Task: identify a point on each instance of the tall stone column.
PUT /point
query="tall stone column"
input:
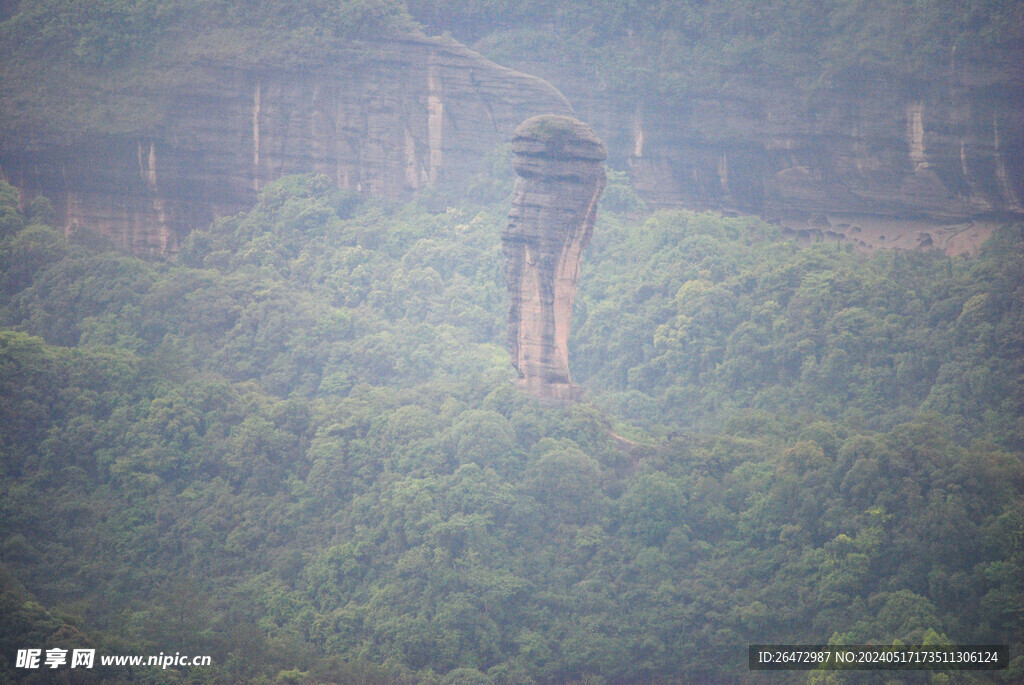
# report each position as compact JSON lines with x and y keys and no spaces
{"x":559,"y":161}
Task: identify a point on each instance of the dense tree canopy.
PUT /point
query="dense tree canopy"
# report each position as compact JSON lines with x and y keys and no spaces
{"x":65,"y":63}
{"x":101,"y":65}
{"x":112,"y":31}
{"x":675,"y":48}
{"x":295,"y":447}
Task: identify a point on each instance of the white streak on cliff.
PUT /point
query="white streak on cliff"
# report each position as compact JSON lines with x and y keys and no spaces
{"x":435,"y":120}
{"x":723,"y":172}
{"x":147,"y":165}
{"x":638,"y":134}
{"x":412,"y":165}
{"x":915,"y":135}
{"x":256,"y":136}
{"x":1010,"y":196}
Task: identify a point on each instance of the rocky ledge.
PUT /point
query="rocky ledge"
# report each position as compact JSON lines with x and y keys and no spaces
{"x":877,"y":160}
{"x":386,"y":119}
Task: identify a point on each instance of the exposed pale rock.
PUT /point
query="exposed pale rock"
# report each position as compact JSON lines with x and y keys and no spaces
{"x":386,"y":119}
{"x":944,"y":152}
{"x":559,"y":161}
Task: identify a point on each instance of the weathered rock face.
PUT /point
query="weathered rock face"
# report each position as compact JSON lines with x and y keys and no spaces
{"x":554,"y":206}
{"x":392,"y":118}
{"x":877,"y":161}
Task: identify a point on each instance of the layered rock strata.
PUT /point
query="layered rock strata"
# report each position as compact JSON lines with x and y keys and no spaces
{"x":878,"y":160}
{"x":386,"y":119}
{"x":559,"y":161}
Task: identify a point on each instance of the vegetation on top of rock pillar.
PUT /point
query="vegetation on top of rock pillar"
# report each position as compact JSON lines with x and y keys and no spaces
{"x":549,"y":126}
{"x":561,"y":135}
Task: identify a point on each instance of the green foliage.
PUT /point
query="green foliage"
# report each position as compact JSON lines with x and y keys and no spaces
{"x":75,"y":65}
{"x":658,"y":48}
{"x":620,"y":197}
{"x":11,"y":220}
{"x":71,"y":65}
{"x":26,"y":622}
{"x":297,"y":449}
{"x":706,"y":318}
{"x":108,"y":32}
{"x":550,"y":128}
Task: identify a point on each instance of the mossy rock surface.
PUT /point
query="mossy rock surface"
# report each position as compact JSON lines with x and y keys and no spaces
{"x":557,"y":135}
{"x":551,"y":127}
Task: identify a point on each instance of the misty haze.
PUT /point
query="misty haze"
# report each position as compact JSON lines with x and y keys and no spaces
{"x":511,"y":343}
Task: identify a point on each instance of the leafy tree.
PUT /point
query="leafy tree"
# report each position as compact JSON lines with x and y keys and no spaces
{"x":297,"y":448}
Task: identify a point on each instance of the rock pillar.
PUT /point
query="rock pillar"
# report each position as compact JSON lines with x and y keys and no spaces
{"x":554,"y":205}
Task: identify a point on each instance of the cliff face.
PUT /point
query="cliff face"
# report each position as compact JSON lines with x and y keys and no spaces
{"x":389,"y":119}
{"x":559,"y":161}
{"x":878,"y":161}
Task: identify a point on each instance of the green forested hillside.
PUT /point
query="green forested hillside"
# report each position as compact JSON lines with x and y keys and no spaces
{"x":678,"y":48}
{"x":706,"y":315}
{"x":100,"y":65}
{"x":296,"y":448}
{"x":103,"y":66}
